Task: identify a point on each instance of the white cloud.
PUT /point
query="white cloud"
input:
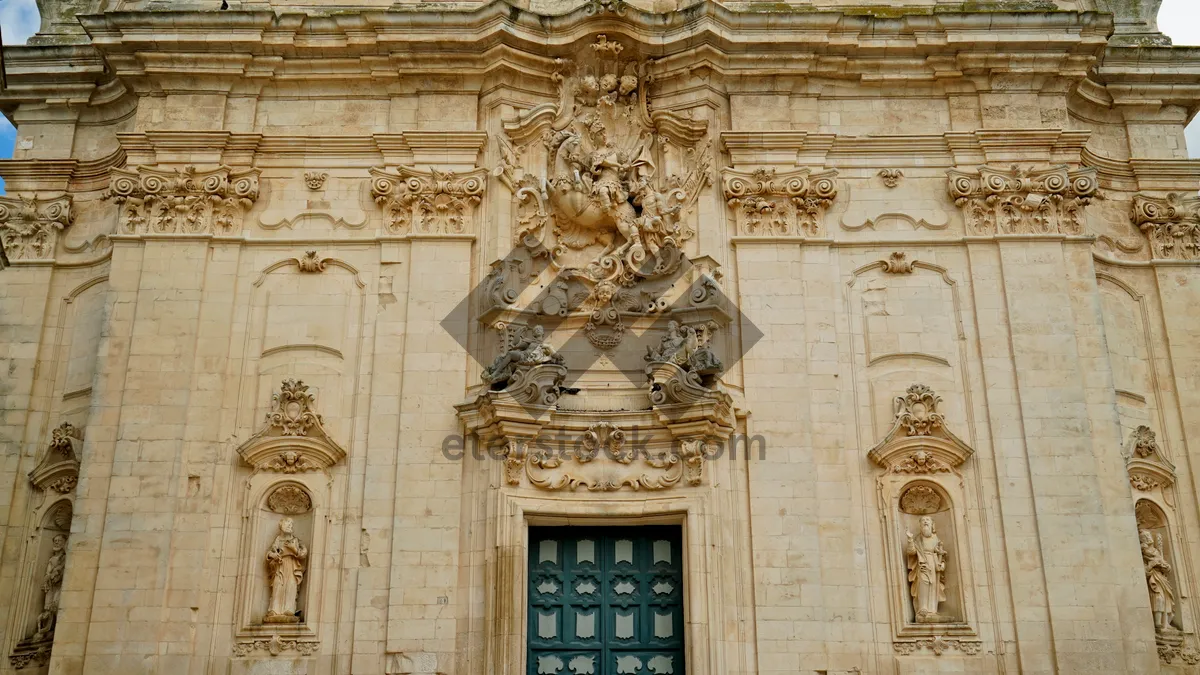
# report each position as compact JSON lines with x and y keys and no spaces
{"x":1180,"y":20}
{"x":18,"y":19}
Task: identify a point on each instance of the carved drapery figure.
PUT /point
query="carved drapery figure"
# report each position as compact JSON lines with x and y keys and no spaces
{"x":52,"y":587}
{"x":1162,"y":594}
{"x":531,"y":350}
{"x":285,"y":572}
{"x":682,"y":347}
{"x":926,"y":571}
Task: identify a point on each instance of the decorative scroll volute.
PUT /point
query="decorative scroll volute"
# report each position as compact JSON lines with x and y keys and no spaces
{"x":919,"y":442}
{"x":29,"y":226}
{"x":428,"y":202}
{"x":187,"y":201}
{"x":1172,"y":223}
{"x":1021,"y":200}
{"x":294,"y":439}
{"x":766,"y":203}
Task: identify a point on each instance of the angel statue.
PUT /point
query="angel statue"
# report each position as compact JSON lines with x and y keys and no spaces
{"x":532,"y":350}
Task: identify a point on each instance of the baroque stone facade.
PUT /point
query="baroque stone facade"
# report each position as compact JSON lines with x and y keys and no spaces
{"x":880,"y":319}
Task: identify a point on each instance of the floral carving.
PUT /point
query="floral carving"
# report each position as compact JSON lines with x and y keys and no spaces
{"x":891,"y":177}
{"x":29,"y":226}
{"x":916,"y":410}
{"x":1021,"y":200}
{"x":187,"y":201}
{"x":315,"y":180}
{"x":898,"y":263}
{"x":275,"y":646}
{"x":1172,"y":223}
{"x":311,"y":263}
{"x":766,"y":203}
{"x":292,"y":409}
{"x":1144,"y":462}
{"x":607,"y":438}
{"x":428,"y":202}
{"x":289,"y":500}
{"x":938,"y":646}
{"x":1144,"y":441}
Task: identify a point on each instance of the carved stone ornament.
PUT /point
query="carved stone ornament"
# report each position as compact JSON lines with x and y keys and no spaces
{"x":1148,"y":469}
{"x":1172,"y":223}
{"x":58,"y":469}
{"x":315,"y":180}
{"x":766,"y":203}
{"x":891,"y":177}
{"x":528,"y":367}
{"x":1021,"y":200}
{"x":919,"y":442}
{"x":289,"y":500}
{"x":187,"y":201}
{"x":293,"y":438}
{"x":311,"y":263}
{"x":898,"y":263}
{"x":937,"y":645}
{"x":428,"y":202}
{"x":275,"y":646}
{"x":604,"y":192}
{"x":29,"y":226}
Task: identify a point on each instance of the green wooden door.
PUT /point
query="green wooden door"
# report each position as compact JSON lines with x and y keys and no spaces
{"x":605,"y":601}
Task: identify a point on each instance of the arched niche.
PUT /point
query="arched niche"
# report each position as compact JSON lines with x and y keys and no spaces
{"x":45,"y":563}
{"x":917,"y":501}
{"x":1159,"y":560}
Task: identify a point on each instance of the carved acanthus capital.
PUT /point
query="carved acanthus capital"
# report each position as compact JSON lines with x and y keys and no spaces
{"x":1148,"y":469}
{"x":187,"y":201}
{"x":767,"y":203}
{"x":1172,"y":223}
{"x":59,"y":468}
{"x":919,"y":442}
{"x":293,"y":439}
{"x":428,"y":202}
{"x":1021,"y":200}
{"x":29,"y":226}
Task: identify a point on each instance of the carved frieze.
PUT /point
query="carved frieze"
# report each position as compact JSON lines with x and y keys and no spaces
{"x":187,"y":201}
{"x":275,"y":646}
{"x":937,"y":645}
{"x":1172,"y":224}
{"x":767,"y":203}
{"x":428,"y":202}
{"x":1148,"y":469}
{"x":919,"y":442}
{"x":1021,"y":200}
{"x":29,"y":226}
{"x":293,"y":439}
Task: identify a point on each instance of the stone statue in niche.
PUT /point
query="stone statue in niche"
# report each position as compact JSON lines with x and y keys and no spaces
{"x":926,"y":571}
{"x":532,"y":350}
{"x":52,"y":587}
{"x":1158,"y":570}
{"x":285,"y":572}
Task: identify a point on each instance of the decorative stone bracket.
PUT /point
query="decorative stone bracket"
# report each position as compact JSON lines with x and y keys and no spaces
{"x":791,"y":204}
{"x":1021,"y":200}
{"x":428,"y":202}
{"x":1172,"y":224}
{"x":919,"y":442}
{"x":293,"y":440}
{"x":59,"y":468}
{"x":29,"y":226}
{"x":1147,"y":467}
{"x":187,"y":201}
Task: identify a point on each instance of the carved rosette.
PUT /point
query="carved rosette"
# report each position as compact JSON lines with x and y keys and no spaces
{"x":428,"y":202}
{"x":293,"y":439}
{"x":767,"y":203}
{"x":29,"y":226}
{"x":1148,"y":469}
{"x":59,"y":468}
{"x":919,"y":442}
{"x":1172,"y":223}
{"x":1021,"y":200}
{"x":187,"y":201}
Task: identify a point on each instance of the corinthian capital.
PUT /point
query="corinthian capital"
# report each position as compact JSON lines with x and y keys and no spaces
{"x":29,"y":226}
{"x":1172,"y":223}
{"x":187,"y":201}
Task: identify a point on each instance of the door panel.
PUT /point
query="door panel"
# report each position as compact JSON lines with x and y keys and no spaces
{"x":605,"y":601}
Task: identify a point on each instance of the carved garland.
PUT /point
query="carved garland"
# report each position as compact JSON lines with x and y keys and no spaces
{"x":1172,"y":223}
{"x":1021,"y":200}
{"x":428,"y":202}
{"x":766,"y":203}
{"x":29,"y":226}
{"x":187,"y":201}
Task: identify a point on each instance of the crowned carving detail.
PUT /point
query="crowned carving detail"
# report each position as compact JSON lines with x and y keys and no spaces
{"x":767,"y":203}
{"x":428,"y":202}
{"x":1172,"y":223}
{"x":58,"y":469}
{"x":1021,"y":200}
{"x":919,"y":442}
{"x":187,"y":201}
{"x":293,"y":439}
{"x":29,"y":226}
{"x":1148,"y":469}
